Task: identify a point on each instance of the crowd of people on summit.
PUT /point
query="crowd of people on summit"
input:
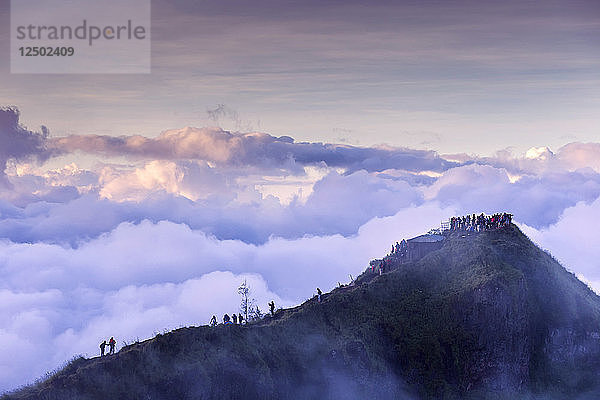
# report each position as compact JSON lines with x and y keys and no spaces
{"x":400,"y":249}
{"x":479,"y":223}
{"x":469,"y":223}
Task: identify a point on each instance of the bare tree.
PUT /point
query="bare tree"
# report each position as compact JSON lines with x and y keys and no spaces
{"x":244,"y":291}
{"x":248,"y":306}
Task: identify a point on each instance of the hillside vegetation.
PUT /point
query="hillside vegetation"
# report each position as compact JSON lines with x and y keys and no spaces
{"x":488,"y":316}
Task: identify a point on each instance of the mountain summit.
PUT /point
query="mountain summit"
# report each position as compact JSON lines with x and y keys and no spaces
{"x":484,"y":315}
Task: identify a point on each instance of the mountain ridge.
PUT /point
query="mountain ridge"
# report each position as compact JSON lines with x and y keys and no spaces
{"x":472,"y":319}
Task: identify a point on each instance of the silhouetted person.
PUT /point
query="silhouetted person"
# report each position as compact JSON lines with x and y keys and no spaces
{"x":403,"y":246}
{"x":272,"y":307}
{"x":213,"y":321}
{"x":234,"y":317}
{"x":319,"y":293}
{"x":240,"y":318}
{"x":226,"y":319}
{"x":102,"y":347}
{"x":111,"y":344}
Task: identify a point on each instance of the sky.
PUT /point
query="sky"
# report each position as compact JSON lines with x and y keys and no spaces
{"x":286,"y":144}
{"x":457,"y":76}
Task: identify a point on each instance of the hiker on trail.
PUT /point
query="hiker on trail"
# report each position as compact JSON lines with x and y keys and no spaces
{"x":226,"y":319}
{"x":272,"y":307}
{"x":111,"y":344}
{"x":102,"y":347}
{"x":240,"y":318}
{"x":213,"y":321}
{"x":319,"y":293}
{"x":234,"y":316}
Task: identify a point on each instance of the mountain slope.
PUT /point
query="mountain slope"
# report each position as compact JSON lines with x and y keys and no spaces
{"x":489,"y":315}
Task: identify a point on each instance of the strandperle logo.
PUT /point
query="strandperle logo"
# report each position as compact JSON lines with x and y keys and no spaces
{"x":80,"y":36}
{"x":89,"y":33}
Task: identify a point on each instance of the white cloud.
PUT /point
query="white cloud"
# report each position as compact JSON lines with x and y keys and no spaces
{"x":227,"y":205}
{"x":580,"y":155}
{"x":573,"y":240}
{"x":539,"y":153}
{"x":192,"y":180}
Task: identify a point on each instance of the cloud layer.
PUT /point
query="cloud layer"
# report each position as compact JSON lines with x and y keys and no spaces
{"x":129,"y":236}
{"x":140,"y":279}
{"x":251,"y":149}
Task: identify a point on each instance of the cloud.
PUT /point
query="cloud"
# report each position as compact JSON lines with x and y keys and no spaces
{"x":17,"y":142}
{"x":251,"y":149}
{"x":192,"y":180}
{"x":70,"y":205}
{"x":573,"y":240}
{"x":541,"y":160}
{"x":580,"y":155}
{"x":206,"y":198}
{"x":149,"y":253}
{"x":341,"y":203}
